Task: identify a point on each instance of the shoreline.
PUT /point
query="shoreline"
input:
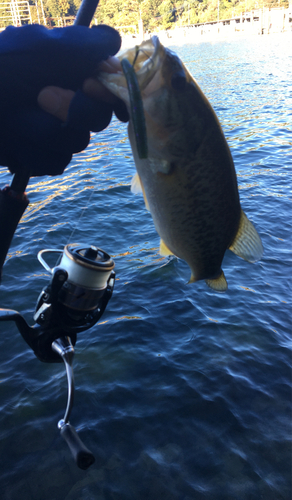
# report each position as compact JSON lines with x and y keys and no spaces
{"x":258,"y":22}
{"x":193,"y":38}
{"x":217,"y":37}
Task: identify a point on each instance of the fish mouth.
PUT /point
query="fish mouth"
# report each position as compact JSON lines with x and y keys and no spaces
{"x":139,"y":67}
{"x":145,"y":60}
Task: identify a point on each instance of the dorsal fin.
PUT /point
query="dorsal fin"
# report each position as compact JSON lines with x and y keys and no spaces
{"x":137,"y":188}
{"x":247,"y":243}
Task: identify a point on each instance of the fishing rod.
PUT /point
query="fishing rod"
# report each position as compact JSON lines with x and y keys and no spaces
{"x":74,"y":300}
{"x":13,"y":199}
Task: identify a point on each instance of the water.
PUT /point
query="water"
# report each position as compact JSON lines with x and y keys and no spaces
{"x":181,"y":393}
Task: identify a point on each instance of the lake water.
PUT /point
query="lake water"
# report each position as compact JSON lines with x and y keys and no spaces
{"x":181,"y":393}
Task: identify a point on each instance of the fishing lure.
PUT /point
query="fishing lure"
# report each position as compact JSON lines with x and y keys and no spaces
{"x":137,"y":110}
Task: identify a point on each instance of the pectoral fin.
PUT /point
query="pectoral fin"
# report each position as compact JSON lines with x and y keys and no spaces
{"x":247,"y":243}
{"x":219,"y":284}
{"x":164,"y":250}
{"x":137,"y":188}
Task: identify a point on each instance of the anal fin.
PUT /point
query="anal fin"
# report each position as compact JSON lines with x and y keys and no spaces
{"x":218,"y":284}
{"x":164,"y":250}
{"x":192,"y":279}
{"x":137,"y":188}
{"x":247,"y":243}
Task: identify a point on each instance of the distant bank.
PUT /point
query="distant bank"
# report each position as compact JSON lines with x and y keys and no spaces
{"x":256,"y":22}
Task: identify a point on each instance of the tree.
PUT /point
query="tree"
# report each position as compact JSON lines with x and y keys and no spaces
{"x":167,"y":13}
{"x":61,"y":8}
{"x":156,"y":14}
{"x":150,"y":14}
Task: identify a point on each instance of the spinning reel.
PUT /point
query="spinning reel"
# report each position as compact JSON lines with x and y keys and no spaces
{"x":74,"y":300}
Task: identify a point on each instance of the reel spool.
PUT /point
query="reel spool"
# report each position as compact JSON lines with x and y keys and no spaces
{"x":85,"y":274}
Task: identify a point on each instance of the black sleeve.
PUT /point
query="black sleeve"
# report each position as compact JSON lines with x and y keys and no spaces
{"x":31,"y":58}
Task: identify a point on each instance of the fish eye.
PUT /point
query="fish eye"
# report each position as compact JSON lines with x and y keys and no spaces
{"x":178,"y":81}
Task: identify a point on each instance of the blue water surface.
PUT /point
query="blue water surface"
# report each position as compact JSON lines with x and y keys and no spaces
{"x":181,"y":393}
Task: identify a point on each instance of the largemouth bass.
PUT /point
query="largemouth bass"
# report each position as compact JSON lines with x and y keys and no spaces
{"x":188,"y":179}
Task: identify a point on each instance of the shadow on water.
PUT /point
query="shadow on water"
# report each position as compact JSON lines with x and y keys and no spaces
{"x":180,"y":393}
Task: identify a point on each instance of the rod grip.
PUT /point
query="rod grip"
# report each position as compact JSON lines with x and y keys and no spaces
{"x":82,"y":455}
{"x":12,"y":207}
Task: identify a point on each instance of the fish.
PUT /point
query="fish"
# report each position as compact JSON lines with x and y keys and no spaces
{"x":188,"y":178}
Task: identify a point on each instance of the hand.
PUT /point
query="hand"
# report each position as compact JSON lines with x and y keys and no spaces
{"x":33,"y":58}
{"x":57,"y":101}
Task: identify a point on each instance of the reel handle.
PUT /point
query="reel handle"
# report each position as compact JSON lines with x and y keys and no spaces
{"x":81,"y":454}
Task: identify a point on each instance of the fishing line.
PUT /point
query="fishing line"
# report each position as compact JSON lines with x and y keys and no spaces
{"x":138,"y":49}
{"x":77,"y":222}
{"x":136,"y":55}
{"x":75,"y":227}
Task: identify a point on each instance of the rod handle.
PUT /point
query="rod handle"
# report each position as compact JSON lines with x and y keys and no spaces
{"x":12,"y":207}
{"x":82,"y":455}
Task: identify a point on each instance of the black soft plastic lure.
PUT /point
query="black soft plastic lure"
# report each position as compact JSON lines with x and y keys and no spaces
{"x":137,"y":110}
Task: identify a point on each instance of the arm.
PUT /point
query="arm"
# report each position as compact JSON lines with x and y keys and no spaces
{"x":33,"y":58}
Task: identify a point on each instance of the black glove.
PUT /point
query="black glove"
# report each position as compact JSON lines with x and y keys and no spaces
{"x":31,"y":58}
